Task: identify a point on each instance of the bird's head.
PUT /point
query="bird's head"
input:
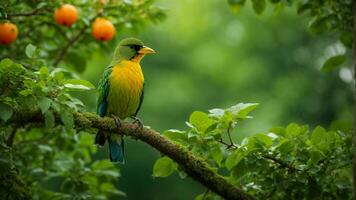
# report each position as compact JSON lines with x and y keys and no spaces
{"x":131,"y":49}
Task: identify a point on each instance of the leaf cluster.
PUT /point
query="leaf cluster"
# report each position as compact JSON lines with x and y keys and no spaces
{"x":292,"y":162}
{"x":61,"y":161}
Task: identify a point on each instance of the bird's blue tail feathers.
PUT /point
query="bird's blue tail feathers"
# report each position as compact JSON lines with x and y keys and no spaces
{"x":116,"y":148}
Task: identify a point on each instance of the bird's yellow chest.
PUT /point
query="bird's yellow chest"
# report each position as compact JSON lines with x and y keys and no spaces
{"x":126,"y":85}
{"x":127,"y":73}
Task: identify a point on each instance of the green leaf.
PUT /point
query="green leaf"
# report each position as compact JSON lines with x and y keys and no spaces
{"x":242,"y":110}
{"x":67,"y":118}
{"x":216,"y":153}
{"x":102,"y":164}
{"x":44,"y":73}
{"x":240,"y":170}
{"x":216,"y":112}
{"x":285,"y":146}
{"x":281,"y":131}
{"x":44,"y":103}
{"x":258,"y":5}
{"x":317,"y":135}
{"x":176,"y":135}
{"x":254,"y":144}
{"x":5,"y":112}
{"x":319,"y":25}
{"x":164,"y":167}
{"x":78,"y":84}
{"x":322,"y":139}
{"x":76,"y":61}
{"x":264,"y":139}
{"x":294,"y":129}
{"x":234,"y":158}
{"x":200,"y":197}
{"x":30,"y":50}
{"x":26,"y":92}
{"x":201,"y":121}
{"x":333,"y":63}
{"x":49,"y":119}
{"x":111,"y":189}
{"x":315,"y":156}
{"x":56,"y":106}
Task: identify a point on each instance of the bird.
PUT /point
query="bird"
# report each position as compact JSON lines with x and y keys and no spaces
{"x":121,"y":92}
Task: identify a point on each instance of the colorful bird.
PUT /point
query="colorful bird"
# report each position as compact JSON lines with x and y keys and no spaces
{"x":121,"y":91}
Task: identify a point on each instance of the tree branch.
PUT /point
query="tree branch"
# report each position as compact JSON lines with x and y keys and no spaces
{"x":195,"y":167}
{"x":70,"y":43}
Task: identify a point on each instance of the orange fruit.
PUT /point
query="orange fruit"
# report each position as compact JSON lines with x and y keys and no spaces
{"x":66,"y":15}
{"x":103,"y":29}
{"x":8,"y":32}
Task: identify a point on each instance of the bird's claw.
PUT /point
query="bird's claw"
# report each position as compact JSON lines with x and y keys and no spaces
{"x":138,"y":122}
{"x":117,"y":121}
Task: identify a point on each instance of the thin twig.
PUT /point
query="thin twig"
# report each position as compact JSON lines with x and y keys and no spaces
{"x":280,"y":162}
{"x":228,"y":146}
{"x":38,"y":11}
{"x":228,"y":133}
{"x":231,"y":145}
{"x":72,"y":41}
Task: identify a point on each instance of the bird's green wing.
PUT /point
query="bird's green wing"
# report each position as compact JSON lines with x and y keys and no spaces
{"x":103,"y":88}
{"x":141,"y":99}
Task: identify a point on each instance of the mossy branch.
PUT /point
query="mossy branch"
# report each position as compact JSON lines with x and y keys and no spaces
{"x":194,"y":166}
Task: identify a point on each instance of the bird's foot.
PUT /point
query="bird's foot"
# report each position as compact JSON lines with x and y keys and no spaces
{"x":138,"y":122}
{"x":117,"y":122}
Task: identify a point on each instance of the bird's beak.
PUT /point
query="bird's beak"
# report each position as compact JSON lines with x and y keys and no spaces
{"x":146,"y":50}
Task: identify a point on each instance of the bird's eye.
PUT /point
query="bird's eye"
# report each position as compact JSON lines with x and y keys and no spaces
{"x":135,"y":47}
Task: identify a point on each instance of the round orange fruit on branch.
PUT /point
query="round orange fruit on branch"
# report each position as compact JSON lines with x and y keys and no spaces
{"x":103,"y":29}
{"x":8,"y":32}
{"x":66,"y":15}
